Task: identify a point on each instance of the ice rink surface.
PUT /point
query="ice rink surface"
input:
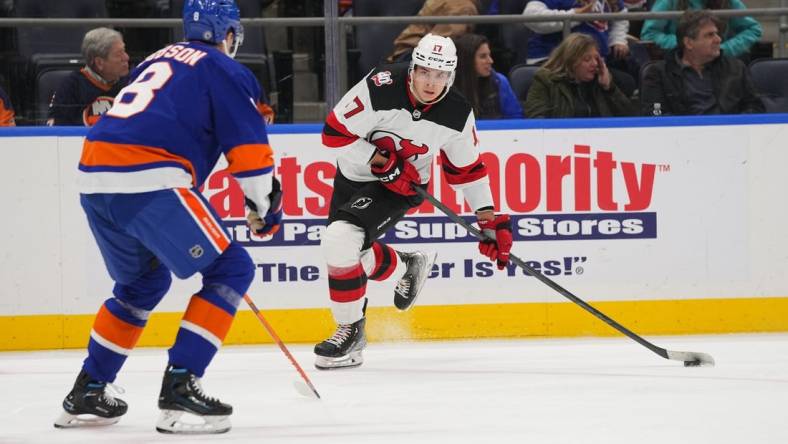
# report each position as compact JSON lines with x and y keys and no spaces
{"x":513,"y":391}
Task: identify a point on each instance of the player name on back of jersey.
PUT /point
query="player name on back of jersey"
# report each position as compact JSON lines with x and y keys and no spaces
{"x":180,"y":53}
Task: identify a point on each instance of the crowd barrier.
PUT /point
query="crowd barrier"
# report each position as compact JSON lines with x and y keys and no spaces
{"x":673,"y":225}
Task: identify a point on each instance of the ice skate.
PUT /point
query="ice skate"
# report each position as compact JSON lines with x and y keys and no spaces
{"x":343,"y":349}
{"x":419,"y":265}
{"x":181,"y":393}
{"x":88,"y":404}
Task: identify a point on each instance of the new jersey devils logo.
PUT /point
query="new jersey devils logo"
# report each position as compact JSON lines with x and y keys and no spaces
{"x":405,"y":148}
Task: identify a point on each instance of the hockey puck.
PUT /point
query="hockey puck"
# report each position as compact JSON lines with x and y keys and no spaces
{"x":692,"y":363}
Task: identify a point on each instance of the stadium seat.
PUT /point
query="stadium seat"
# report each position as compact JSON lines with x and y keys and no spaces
{"x":514,"y":36}
{"x":520,"y":77}
{"x":54,"y":39}
{"x":375,"y":41}
{"x":769,"y":77}
{"x":644,"y":91}
{"x":47,"y":83}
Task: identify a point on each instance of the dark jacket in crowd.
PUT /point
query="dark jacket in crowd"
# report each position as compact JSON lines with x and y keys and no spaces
{"x":552,"y":96}
{"x":664,"y":84}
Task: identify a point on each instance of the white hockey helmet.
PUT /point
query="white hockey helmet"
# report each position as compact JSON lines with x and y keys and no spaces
{"x":435,"y":52}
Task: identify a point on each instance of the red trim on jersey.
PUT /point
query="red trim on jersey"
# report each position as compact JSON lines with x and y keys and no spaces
{"x":341,"y":137}
{"x":459,"y":175}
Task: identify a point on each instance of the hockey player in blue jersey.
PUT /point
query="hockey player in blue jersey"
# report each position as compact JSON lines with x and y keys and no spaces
{"x":141,"y":166}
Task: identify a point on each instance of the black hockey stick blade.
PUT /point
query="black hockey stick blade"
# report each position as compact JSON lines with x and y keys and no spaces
{"x":690,"y":359}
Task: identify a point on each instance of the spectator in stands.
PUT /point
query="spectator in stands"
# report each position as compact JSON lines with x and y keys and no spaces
{"x":575,"y":82}
{"x":86,"y":94}
{"x":611,"y":37}
{"x":6,"y":110}
{"x":697,"y":78}
{"x":488,"y":91}
{"x":410,"y":36}
{"x":635,"y":6}
{"x":738,"y":34}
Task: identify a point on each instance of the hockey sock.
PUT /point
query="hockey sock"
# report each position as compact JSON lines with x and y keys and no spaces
{"x":347,"y":287}
{"x":204,"y":326}
{"x":386,"y":262}
{"x":115,"y":333}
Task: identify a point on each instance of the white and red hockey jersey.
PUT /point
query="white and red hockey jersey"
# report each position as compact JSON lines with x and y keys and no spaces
{"x":380,"y":113}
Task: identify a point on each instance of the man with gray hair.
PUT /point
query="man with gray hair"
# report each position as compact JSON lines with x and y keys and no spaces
{"x":86,"y":94}
{"x":697,"y":78}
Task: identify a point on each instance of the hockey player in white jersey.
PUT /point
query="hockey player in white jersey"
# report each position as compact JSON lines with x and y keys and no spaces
{"x":389,"y":127}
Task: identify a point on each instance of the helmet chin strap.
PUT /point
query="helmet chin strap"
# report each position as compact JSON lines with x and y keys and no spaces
{"x":236,"y":44}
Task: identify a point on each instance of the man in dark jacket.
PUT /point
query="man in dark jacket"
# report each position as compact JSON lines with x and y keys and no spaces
{"x":696,"y":78}
{"x":85,"y":95}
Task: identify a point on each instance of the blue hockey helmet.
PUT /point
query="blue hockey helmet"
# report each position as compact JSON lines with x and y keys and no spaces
{"x":210,"y":20}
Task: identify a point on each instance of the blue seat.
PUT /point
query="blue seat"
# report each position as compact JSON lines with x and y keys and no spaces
{"x":769,"y":77}
{"x":520,"y":77}
{"x":514,"y":36}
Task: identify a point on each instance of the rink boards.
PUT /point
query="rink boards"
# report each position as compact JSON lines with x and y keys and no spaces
{"x":670,"y":226}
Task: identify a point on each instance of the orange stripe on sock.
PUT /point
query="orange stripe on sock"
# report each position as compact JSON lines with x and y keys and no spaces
{"x":116,"y":330}
{"x":208,"y":316}
{"x":209,"y":225}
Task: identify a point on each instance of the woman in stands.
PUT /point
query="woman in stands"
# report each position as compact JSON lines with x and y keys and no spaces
{"x":611,"y":36}
{"x":575,"y":82}
{"x":488,"y":91}
{"x":738,"y":34}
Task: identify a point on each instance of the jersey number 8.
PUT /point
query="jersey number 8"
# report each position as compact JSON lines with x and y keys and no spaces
{"x":143,"y":90}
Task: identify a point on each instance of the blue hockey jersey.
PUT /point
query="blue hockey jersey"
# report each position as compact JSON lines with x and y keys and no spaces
{"x":185,"y":105}
{"x":540,"y":45}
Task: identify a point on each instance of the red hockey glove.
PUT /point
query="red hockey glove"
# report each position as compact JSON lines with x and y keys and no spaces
{"x":499,"y":242}
{"x":397,"y":175}
{"x":267,"y":225}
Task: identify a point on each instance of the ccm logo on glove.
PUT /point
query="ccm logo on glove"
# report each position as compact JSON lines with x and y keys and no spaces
{"x":397,"y":175}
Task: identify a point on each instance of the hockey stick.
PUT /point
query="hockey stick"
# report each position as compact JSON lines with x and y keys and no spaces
{"x":690,"y":359}
{"x":303,"y":390}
